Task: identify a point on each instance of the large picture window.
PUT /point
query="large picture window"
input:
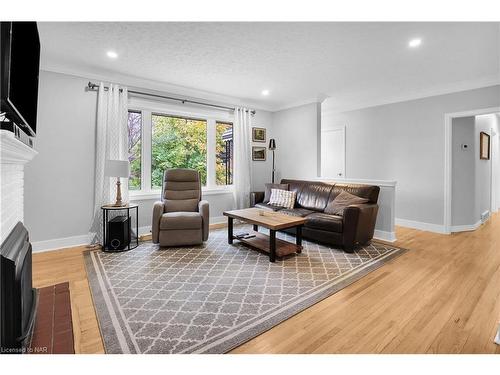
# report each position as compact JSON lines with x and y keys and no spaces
{"x":177,"y":142}
{"x":175,"y":138}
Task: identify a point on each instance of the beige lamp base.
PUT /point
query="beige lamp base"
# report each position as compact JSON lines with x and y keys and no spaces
{"x":119,"y":202}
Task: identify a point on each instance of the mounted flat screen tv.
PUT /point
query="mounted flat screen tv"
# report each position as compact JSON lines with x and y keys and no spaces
{"x":20,"y":59}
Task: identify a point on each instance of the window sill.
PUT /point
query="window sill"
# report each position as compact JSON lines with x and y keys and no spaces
{"x":155,"y":195}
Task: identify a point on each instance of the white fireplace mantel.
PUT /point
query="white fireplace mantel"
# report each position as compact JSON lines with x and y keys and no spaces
{"x":14,"y":155}
{"x":13,"y":151}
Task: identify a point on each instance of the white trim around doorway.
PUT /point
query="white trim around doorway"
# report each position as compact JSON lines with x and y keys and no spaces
{"x":448,"y":117}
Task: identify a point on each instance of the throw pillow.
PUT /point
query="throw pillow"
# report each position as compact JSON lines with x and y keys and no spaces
{"x":341,"y":201}
{"x":282,"y":198}
{"x":267,"y":193}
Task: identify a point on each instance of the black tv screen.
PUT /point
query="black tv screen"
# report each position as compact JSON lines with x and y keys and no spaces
{"x":20,"y":69}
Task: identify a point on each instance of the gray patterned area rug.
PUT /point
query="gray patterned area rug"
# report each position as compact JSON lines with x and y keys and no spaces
{"x":213,"y":297}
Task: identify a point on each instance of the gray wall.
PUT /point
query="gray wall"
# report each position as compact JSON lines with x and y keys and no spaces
{"x":59,"y":182}
{"x":296,"y":131}
{"x":405,"y":142}
{"x":262,"y":170}
{"x":463,"y":201}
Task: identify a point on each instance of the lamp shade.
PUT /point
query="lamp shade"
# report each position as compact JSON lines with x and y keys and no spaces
{"x":272,"y":144}
{"x":117,"y":168}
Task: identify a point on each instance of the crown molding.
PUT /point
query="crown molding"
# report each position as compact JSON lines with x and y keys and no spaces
{"x":154,"y":86}
{"x":192,"y":93}
{"x":297,"y":104}
{"x":422,"y":94}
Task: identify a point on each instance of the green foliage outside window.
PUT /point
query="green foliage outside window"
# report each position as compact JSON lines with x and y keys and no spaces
{"x":177,"y":143}
{"x":134,"y":149}
{"x":224,"y":153}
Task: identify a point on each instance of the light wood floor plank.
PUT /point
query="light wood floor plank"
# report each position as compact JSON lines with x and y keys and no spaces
{"x":442,"y":296}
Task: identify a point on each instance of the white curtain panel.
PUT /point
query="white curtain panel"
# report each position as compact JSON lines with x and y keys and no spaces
{"x":242,"y":127}
{"x":111,"y":144}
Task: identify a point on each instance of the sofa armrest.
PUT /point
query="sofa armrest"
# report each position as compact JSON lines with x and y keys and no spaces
{"x":204,"y":210}
{"x":158,"y":209}
{"x":359,"y":223}
{"x":256,"y":197}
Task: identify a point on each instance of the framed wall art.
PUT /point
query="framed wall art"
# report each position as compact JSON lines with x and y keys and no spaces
{"x":484,"y":146}
{"x":259,"y":153}
{"x":259,"y":134}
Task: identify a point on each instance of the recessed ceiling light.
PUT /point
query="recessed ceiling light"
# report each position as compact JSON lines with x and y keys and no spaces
{"x":415,"y":42}
{"x":112,"y":54}
{"x":265,"y":92}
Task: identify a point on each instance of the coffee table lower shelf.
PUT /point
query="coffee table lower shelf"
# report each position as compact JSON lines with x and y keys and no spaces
{"x":262,"y":242}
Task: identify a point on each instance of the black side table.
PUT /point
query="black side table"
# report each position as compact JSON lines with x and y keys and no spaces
{"x":122,"y":234}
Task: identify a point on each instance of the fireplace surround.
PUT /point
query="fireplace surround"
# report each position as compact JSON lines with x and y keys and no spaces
{"x":18,"y":300}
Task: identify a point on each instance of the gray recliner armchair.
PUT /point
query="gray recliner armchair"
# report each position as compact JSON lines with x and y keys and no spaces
{"x":181,"y":218}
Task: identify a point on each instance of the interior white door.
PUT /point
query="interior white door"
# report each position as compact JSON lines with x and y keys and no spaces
{"x":333,"y":153}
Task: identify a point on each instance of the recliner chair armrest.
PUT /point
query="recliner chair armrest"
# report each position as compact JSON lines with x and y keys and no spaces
{"x":256,"y":197}
{"x":204,"y":210}
{"x":359,"y":224}
{"x":158,"y":209}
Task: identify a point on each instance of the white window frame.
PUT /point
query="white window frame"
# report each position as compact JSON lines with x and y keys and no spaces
{"x":147,"y":108}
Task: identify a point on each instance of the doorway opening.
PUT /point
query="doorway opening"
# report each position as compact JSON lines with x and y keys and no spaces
{"x":472,"y":168}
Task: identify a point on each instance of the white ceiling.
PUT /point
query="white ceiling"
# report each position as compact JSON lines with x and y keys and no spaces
{"x":352,"y":63}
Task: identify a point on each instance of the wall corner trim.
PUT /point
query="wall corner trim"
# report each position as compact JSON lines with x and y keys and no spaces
{"x":384,"y":235}
{"x":420,"y":225}
{"x":466,"y":228}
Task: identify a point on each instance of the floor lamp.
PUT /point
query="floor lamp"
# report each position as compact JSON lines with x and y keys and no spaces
{"x":272,"y":147}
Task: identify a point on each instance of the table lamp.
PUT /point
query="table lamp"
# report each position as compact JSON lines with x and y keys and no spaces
{"x":117,"y":168}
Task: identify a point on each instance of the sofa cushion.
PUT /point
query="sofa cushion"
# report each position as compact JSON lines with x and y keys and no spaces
{"x":314,"y":196}
{"x":267,"y":193}
{"x":322,"y":221}
{"x":282,"y":198}
{"x":369,"y":192}
{"x":295,"y":185}
{"x":300,"y":212}
{"x":180,"y":220}
{"x":341,"y":201}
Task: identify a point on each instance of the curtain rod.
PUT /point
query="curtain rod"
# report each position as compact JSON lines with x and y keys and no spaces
{"x":95,"y":87}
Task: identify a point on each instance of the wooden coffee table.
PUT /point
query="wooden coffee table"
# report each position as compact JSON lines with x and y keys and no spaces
{"x":271,"y":220}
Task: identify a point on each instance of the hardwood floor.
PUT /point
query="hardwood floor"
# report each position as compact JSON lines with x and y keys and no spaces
{"x":442,"y":296}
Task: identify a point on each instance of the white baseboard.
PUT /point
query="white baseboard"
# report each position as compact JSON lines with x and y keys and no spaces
{"x":144,"y":230}
{"x":67,"y":242}
{"x":384,"y":235}
{"x":420,"y":225}
{"x":218,"y":220}
{"x":466,"y":228}
{"x":60,"y":243}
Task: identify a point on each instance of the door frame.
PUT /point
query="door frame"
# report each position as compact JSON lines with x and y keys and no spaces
{"x":336,"y":128}
{"x":448,"y":118}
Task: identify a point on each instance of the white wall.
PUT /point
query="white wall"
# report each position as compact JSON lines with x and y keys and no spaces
{"x":405,"y":142}
{"x":484,"y":171}
{"x":59,"y":191}
{"x":297,"y":132}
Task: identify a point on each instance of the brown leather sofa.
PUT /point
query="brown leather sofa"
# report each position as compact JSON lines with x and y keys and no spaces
{"x":181,"y":218}
{"x":356,"y":226}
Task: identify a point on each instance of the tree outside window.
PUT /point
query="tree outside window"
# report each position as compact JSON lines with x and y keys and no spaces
{"x":134,"y":149}
{"x":177,"y":143}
